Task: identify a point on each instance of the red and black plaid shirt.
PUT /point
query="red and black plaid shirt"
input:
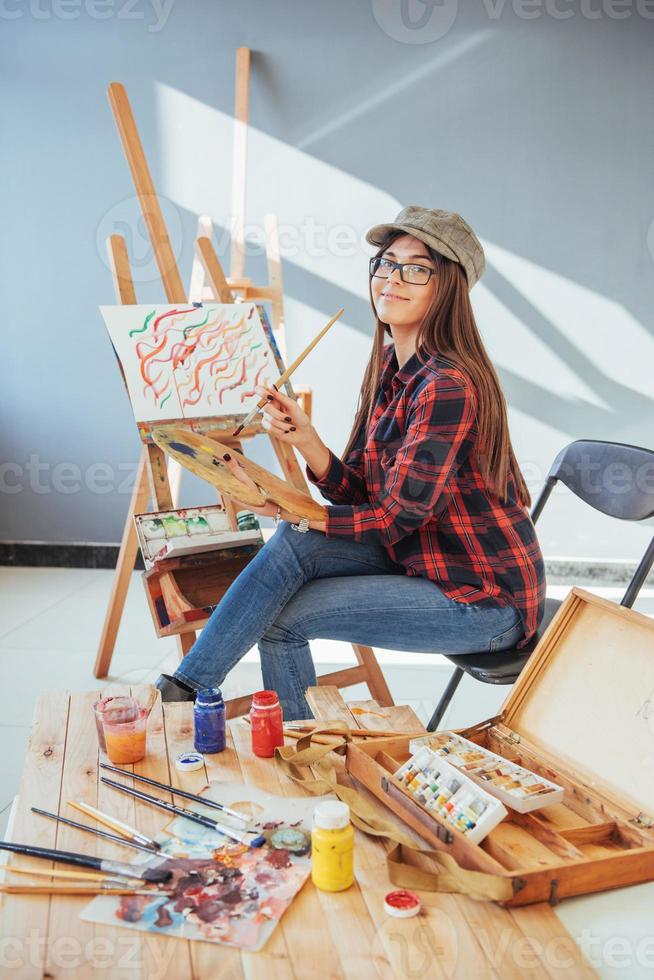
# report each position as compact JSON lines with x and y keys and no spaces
{"x":414,"y":486}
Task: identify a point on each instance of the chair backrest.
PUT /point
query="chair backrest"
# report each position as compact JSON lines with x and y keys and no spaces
{"x":614,"y":478}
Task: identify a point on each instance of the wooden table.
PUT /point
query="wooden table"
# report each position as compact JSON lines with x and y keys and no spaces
{"x":321,"y":935}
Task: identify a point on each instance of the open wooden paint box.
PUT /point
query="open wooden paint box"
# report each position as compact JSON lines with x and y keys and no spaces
{"x":580,"y":715}
{"x":191,"y":556}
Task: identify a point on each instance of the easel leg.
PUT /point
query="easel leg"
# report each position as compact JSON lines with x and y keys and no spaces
{"x":289,"y":464}
{"x":374,"y":675}
{"x":184,"y":643}
{"x":158,"y":474}
{"x":124,"y":569}
{"x":228,"y":503}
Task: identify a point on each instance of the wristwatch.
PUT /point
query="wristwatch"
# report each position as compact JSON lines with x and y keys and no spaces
{"x":302,"y":526}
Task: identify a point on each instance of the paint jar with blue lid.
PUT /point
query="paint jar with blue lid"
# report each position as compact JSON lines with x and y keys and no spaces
{"x":209,"y":721}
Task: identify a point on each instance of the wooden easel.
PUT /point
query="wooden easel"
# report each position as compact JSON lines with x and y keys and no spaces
{"x":152,"y":476}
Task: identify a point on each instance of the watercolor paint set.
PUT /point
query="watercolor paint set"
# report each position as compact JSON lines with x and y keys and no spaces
{"x":192,"y":556}
{"x":517,"y":787}
{"x":448,"y":793}
{"x":188,"y":531}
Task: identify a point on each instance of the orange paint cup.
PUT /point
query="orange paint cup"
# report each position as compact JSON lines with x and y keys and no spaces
{"x":124,"y":727}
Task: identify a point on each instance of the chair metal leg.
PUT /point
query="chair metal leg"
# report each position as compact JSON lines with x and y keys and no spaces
{"x":446,"y":697}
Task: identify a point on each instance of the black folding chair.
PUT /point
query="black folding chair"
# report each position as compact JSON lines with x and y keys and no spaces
{"x":615,"y":479}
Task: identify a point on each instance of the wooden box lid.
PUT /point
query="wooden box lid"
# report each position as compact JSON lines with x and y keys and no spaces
{"x":586,"y":697}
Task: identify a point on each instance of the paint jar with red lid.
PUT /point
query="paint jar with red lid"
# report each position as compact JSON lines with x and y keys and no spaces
{"x":266,"y":723}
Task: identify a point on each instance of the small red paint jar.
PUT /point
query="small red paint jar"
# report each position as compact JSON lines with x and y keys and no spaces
{"x":266,"y":723}
{"x":402,"y":904}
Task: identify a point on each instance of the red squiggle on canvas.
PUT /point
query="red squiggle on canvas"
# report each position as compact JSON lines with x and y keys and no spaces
{"x":198,"y":352}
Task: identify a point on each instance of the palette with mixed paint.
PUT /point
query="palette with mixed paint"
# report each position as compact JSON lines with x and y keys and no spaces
{"x":188,"y":531}
{"x":223,"y":892}
{"x":519,"y":788}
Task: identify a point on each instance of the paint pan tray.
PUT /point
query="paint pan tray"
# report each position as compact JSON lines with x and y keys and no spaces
{"x":192,"y":556}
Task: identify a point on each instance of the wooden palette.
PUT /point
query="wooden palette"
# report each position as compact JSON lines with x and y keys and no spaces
{"x":203,"y":456}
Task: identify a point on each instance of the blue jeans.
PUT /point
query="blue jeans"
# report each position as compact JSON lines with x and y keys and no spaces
{"x":300,"y":587}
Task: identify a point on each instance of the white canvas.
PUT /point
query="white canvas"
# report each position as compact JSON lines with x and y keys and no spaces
{"x":180,"y":361}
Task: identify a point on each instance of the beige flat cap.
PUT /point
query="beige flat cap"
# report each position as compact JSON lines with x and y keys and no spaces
{"x":444,"y":231}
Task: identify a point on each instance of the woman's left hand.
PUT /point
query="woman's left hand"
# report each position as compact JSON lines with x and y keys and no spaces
{"x":237,"y":471}
{"x":266,"y":510}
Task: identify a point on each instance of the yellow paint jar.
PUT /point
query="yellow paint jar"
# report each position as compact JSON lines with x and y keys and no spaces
{"x":332,"y":847}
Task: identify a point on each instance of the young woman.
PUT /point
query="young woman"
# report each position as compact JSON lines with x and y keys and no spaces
{"x":428,"y":545}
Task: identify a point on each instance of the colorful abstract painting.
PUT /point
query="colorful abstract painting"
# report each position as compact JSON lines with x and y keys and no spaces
{"x":190,"y":362}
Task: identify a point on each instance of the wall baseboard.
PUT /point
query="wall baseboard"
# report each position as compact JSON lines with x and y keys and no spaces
{"x":40,"y":554}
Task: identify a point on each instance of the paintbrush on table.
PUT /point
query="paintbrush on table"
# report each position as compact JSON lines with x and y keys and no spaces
{"x":299,"y":729}
{"x":75,"y":883}
{"x":98,"y":889}
{"x":283,"y":378}
{"x":61,"y":873}
{"x":181,"y":811}
{"x":121,"y":828}
{"x":177,"y":792}
{"x":115,"y":838}
{"x":119,"y":868}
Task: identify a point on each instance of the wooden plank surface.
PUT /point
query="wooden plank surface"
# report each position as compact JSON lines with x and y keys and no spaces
{"x":376,"y":718}
{"x":25,"y":918}
{"x":327,"y":704}
{"x":320,"y":936}
{"x":79,"y":782}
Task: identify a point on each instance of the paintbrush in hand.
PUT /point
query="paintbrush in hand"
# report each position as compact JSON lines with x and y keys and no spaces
{"x":283,"y":378}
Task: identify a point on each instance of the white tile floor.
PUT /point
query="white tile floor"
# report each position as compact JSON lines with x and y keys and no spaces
{"x":50,"y":623}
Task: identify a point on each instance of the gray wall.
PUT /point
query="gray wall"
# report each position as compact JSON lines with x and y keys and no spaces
{"x":535,"y":125}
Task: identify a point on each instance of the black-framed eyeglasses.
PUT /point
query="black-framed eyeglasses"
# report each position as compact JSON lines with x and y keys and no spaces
{"x":416,"y":275}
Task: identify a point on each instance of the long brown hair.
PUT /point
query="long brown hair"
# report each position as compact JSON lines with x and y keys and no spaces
{"x":449,"y":331}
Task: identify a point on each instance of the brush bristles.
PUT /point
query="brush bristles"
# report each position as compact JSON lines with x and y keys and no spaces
{"x":157,"y":875}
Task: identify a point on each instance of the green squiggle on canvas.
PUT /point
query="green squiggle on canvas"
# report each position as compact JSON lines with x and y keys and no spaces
{"x":165,"y":399}
{"x":145,"y":324}
{"x":194,"y":326}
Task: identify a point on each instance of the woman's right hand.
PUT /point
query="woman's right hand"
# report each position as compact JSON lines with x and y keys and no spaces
{"x":284,"y":419}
